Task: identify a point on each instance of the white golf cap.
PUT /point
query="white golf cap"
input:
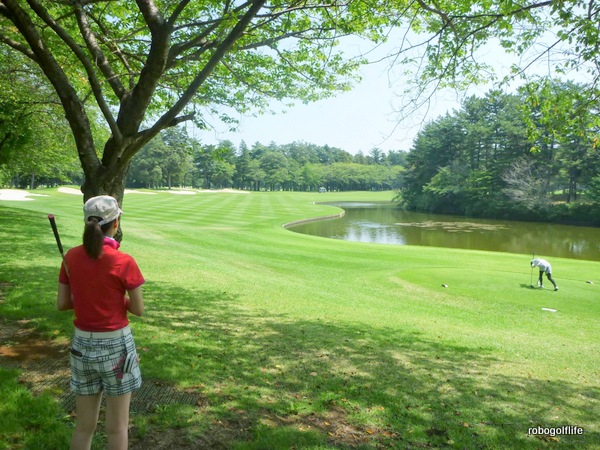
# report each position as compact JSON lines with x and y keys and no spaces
{"x":103,"y":206}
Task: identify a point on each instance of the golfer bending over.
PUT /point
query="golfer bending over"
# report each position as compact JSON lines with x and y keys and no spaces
{"x":103,"y":353}
{"x":544,"y":266}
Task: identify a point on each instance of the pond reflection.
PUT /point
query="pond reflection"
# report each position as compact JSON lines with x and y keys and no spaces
{"x":386,"y":224}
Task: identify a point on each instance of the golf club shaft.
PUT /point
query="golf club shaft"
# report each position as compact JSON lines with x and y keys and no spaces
{"x":57,"y":237}
{"x":531,"y":276}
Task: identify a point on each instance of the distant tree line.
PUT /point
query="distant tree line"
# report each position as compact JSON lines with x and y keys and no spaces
{"x":37,"y":148}
{"x":175,"y":159}
{"x":500,"y":155}
{"x":36,"y":145}
{"x":491,"y":159}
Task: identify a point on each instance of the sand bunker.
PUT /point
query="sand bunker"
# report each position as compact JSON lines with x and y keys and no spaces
{"x":170,"y":191}
{"x":23,"y":195}
{"x":221,"y":191}
{"x":132,"y":191}
{"x":206,"y":191}
{"x":71,"y":191}
{"x":18,"y":195}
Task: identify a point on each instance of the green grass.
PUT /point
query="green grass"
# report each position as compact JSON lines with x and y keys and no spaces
{"x":29,"y":422}
{"x":294,"y":340}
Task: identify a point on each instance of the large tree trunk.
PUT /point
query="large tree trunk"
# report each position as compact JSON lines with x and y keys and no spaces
{"x":113,"y":185}
{"x":104,"y":182}
{"x":100,"y":180}
{"x":36,"y":24}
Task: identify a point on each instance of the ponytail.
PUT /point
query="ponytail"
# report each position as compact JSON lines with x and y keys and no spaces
{"x":93,"y":236}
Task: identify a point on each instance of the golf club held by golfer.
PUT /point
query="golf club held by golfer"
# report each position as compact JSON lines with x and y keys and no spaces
{"x":57,"y":237}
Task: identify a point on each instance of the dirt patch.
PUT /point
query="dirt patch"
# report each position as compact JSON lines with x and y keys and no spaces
{"x":223,"y":433}
{"x":163,"y":440}
{"x":334,"y":424}
{"x":44,"y":364}
{"x":21,"y":345}
{"x":220,"y":436}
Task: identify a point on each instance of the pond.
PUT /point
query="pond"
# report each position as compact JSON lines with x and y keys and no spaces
{"x":386,"y":224}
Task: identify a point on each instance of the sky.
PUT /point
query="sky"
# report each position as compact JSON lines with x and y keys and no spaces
{"x":362,"y":119}
{"x":358,"y":120}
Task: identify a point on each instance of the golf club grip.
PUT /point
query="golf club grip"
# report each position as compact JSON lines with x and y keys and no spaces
{"x":55,"y":230}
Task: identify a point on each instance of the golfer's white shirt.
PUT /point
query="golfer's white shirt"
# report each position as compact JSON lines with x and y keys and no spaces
{"x":542,"y":264}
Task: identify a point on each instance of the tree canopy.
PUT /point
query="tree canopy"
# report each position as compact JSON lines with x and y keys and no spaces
{"x":443,"y":47}
{"x":296,"y":166}
{"x":147,"y":65}
{"x":478,"y":162}
{"x":30,"y":118}
{"x":150,"y":65}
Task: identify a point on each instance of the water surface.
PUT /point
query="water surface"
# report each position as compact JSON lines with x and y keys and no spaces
{"x":386,"y":224}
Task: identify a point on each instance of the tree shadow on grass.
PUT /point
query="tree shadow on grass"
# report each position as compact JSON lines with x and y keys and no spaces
{"x":27,"y":235}
{"x":265,"y":380}
{"x":26,"y":240}
{"x":275,"y":379}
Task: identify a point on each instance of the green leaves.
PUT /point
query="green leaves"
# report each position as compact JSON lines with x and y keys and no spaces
{"x":149,"y":66}
{"x":479,"y":160}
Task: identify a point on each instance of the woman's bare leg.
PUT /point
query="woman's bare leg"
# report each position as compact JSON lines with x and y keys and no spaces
{"x":87,"y":409}
{"x":117,"y":421}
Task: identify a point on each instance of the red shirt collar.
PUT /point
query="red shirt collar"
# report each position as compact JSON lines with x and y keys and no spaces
{"x":111,"y":242}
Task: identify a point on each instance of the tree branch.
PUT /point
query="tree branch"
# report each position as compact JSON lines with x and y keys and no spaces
{"x":152,"y":15}
{"x":245,"y":82}
{"x":135,"y":104}
{"x":96,"y":52}
{"x":73,"y":107}
{"x":89,"y":69}
{"x":447,"y":21}
{"x":275,"y":39}
{"x":177,"y":12}
{"x":198,"y":41}
{"x":193,"y":87}
{"x":18,"y":47}
{"x":201,"y":39}
{"x":514,"y":12}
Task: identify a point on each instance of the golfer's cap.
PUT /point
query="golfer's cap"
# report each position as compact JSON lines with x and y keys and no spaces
{"x":103,"y":206}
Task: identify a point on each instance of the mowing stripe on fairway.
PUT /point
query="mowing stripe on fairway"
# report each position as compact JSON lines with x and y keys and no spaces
{"x":253,"y":310}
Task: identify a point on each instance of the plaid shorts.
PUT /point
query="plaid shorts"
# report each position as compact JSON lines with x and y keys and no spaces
{"x":102,"y":364}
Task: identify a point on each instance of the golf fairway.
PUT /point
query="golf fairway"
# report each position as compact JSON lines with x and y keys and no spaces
{"x":284,"y":333}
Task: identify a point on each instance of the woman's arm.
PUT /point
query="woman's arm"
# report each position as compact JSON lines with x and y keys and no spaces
{"x":135,"y":303}
{"x":64,"y":300}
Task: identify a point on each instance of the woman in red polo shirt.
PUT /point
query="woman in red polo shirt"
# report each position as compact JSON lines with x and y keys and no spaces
{"x":93,"y":281}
